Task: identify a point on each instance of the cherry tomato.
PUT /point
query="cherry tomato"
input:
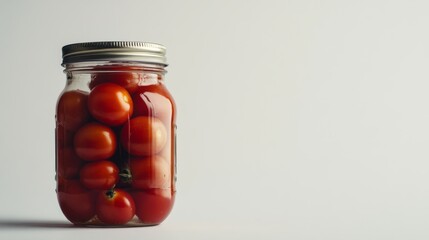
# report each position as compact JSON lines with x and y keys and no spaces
{"x":72,"y":109}
{"x":64,"y":138}
{"x":94,"y":141}
{"x":77,"y":203}
{"x":154,"y":100}
{"x":153,"y":205}
{"x":110,"y":104}
{"x":100,"y":175}
{"x":143,"y":136}
{"x":150,"y":172}
{"x":128,"y":80}
{"x":170,"y":148}
{"x":115,"y":207}
{"x":68,"y":163}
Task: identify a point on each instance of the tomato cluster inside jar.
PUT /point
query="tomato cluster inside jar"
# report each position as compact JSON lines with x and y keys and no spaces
{"x":115,"y":135}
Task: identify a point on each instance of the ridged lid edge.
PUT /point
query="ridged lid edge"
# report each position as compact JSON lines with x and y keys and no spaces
{"x":115,"y":51}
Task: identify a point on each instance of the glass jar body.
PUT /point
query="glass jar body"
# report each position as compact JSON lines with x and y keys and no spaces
{"x":115,"y":145}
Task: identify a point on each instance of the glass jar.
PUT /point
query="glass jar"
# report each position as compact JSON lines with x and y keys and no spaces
{"x":115,"y":135}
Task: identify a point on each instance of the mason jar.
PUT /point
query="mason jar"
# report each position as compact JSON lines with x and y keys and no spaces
{"x":115,"y":135}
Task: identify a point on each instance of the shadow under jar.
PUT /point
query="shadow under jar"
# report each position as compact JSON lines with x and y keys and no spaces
{"x":115,"y":135}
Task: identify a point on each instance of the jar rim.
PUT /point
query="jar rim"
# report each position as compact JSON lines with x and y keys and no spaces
{"x":131,"y":51}
{"x":112,"y":66}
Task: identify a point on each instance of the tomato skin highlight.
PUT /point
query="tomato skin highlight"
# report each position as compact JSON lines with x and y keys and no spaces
{"x":115,"y":207}
{"x":144,"y":136}
{"x":153,"y":205}
{"x":99,"y":175}
{"x":110,"y":104}
{"x":94,"y":141}
{"x":150,"y":172}
{"x":76,"y":203}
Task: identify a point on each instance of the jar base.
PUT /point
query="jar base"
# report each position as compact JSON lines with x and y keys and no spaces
{"x":95,"y":223}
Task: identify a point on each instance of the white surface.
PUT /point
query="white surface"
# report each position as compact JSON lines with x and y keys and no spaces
{"x":297,"y":119}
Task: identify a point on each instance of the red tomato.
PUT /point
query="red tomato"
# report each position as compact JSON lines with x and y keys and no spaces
{"x":68,"y":163}
{"x":153,"y":205}
{"x":150,"y":172}
{"x":94,"y":142}
{"x":64,"y":138}
{"x":110,"y":104}
{"x":72,"y":109}
{"x":115,"y":207}
{"x":77,"y":203}
{"x":100,"y":175}
{"x":143,"y":136}
{"x":127,"y":80}
{"x":154,"y":100}
{"x":170,"y":148}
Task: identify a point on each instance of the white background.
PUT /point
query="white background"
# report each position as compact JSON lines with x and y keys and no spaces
{"x":297,"y":119}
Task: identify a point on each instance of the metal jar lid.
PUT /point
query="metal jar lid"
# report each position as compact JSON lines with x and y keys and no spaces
{"x":143,"y":52}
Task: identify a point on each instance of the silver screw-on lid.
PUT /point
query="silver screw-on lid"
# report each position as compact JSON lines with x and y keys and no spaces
{"x":115,"y":51}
